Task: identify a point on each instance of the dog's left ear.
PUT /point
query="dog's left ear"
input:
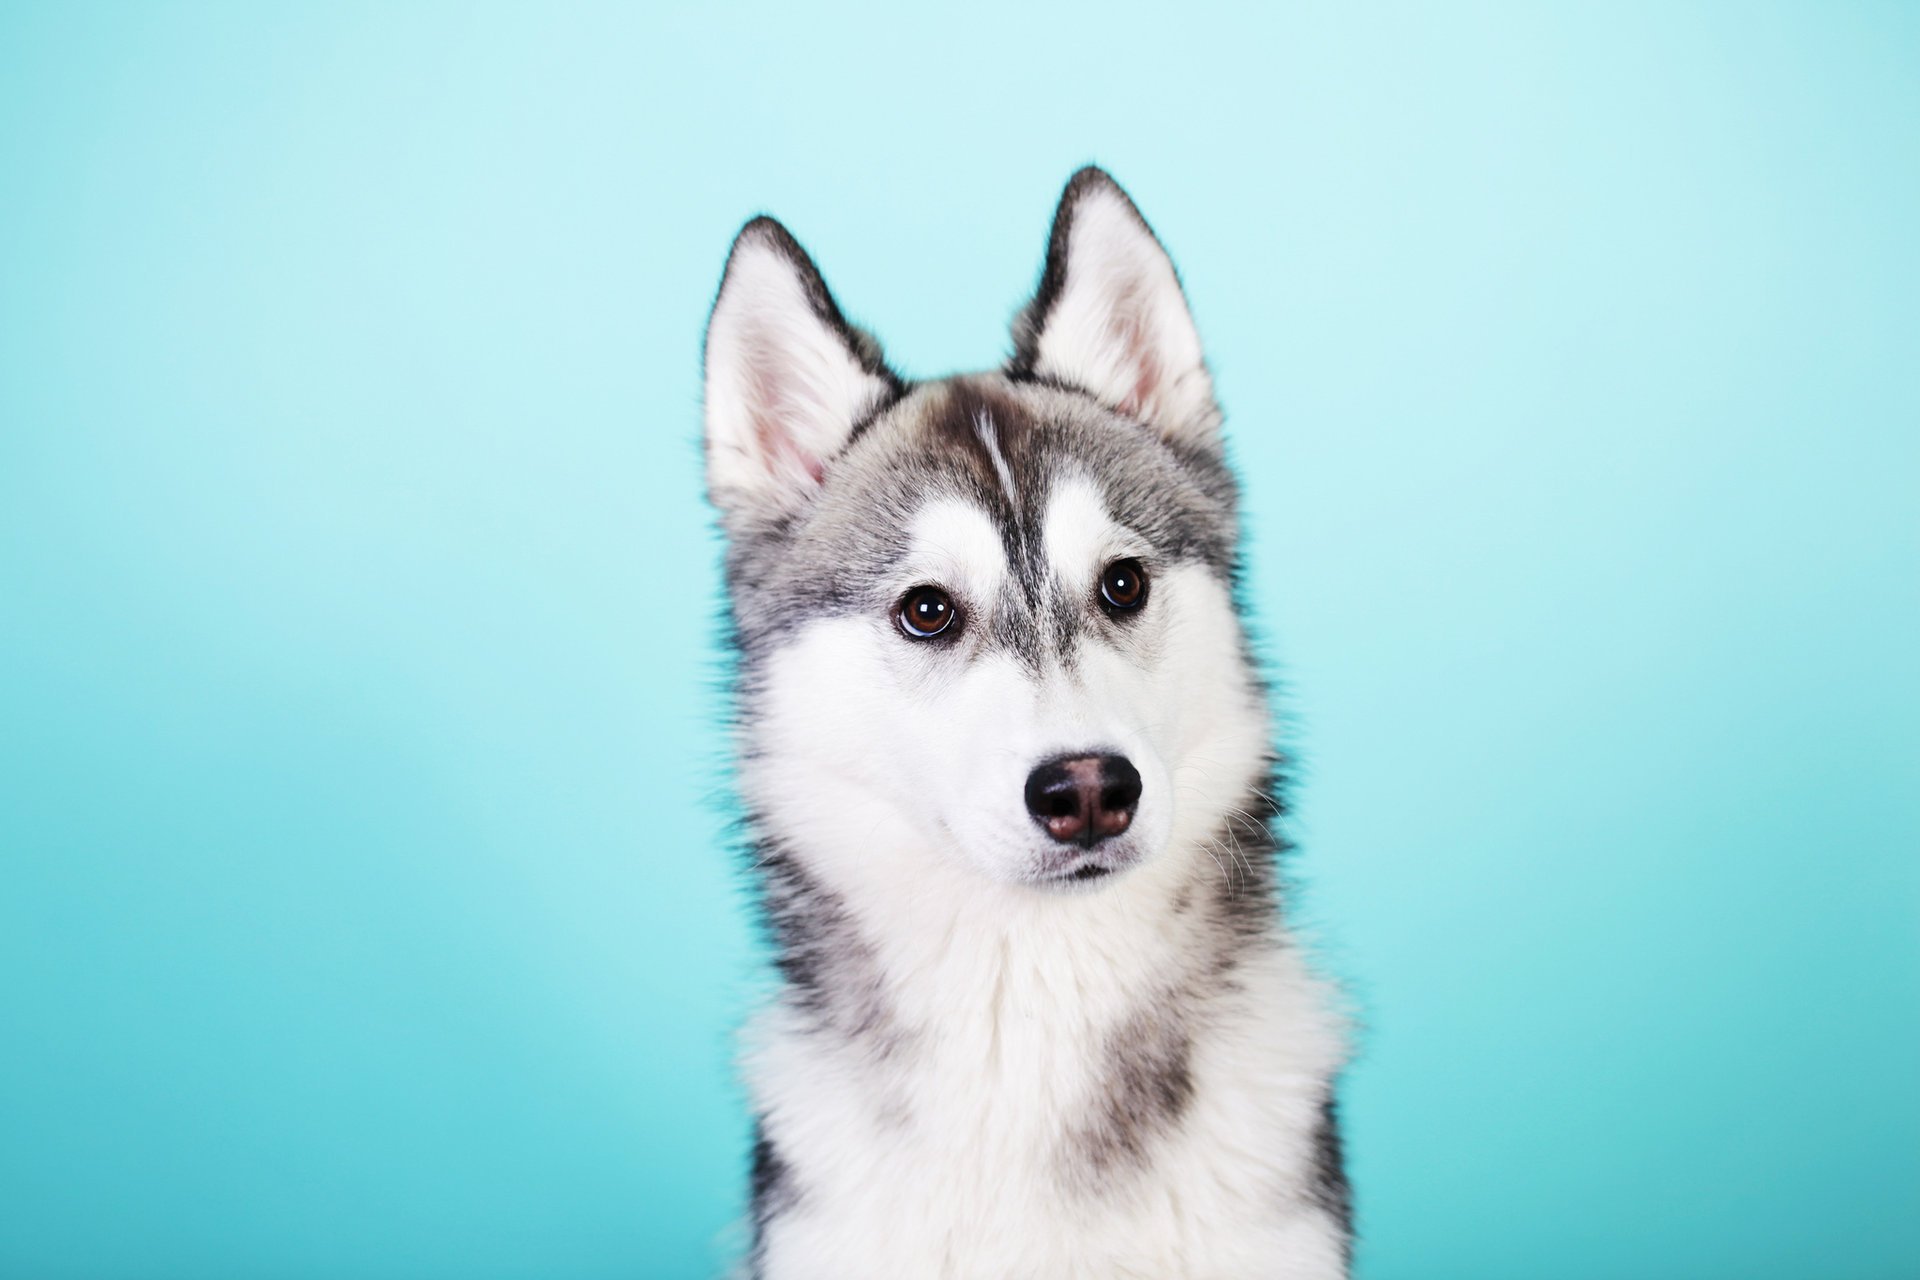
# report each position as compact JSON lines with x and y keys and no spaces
{"x":1110,"y":318}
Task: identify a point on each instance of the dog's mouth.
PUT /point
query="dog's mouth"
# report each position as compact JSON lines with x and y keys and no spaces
{"x":1088,"y":870}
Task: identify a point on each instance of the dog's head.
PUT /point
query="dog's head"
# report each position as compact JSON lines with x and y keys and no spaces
{"x":987,"y":618}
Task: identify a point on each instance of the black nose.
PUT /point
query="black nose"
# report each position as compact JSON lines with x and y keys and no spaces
{"x":1084,"y":799}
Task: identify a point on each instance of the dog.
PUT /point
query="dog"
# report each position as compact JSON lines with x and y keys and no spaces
{"x":1006,"y":772}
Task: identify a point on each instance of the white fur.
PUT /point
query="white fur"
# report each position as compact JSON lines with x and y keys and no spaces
{"x":954,"y":544}
{"x":990,"y":438}
{"x":1120,"y":325}
{"x":934,"y":1148}
{"x":782,"y":390}
{"x":1079,"y":534}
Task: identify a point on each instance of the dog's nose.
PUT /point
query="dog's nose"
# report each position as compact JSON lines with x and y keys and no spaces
{"x":1084,"y":799}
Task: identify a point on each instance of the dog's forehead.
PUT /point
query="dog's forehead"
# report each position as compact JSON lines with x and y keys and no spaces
{"x":950,"y":534}
{"x":1037,"y":477}
{"x":1010,"y":448}
{"x":1025,"y":482}
{"x":1072,"y":534}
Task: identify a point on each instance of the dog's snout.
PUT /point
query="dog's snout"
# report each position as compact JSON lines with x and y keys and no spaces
{"x":1084,"y":799}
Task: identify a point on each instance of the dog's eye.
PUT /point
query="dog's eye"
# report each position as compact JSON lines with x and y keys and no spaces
{"x":925,"y":612}
{"x":1123,"y":585}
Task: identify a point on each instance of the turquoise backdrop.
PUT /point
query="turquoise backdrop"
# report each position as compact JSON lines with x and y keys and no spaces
{"x":364,"y":910}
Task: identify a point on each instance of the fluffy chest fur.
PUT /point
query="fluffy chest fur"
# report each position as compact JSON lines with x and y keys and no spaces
{"x":1046,"y":1108}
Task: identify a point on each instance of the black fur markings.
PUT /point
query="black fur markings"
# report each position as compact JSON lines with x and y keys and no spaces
{"x":1247,"y":849}
{"x":772,"y":1189}
{"x":830,"y":970}
{"x":838,"y":556}
{"x":1144,"y":1091}
{"x":1330,"y":1188}
{"x":1032,"y":320}
{"x":861,"y":345}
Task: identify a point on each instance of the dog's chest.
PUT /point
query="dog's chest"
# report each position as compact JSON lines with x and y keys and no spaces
{"x":1040,"y":1129}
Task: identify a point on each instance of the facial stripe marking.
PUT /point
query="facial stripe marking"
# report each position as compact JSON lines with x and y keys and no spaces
{"x":989,"y":435}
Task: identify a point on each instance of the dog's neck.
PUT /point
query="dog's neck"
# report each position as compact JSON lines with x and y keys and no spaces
{"x":898,"y":952}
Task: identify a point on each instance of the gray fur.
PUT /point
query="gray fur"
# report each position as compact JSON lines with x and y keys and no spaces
{"x":833,"y":557}
{"x":828,"y":968}
{"x":1147,"y":1086}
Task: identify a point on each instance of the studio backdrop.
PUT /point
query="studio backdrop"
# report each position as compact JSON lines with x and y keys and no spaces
{"x":367,"y":906}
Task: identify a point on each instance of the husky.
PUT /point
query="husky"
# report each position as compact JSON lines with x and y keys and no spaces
{"x":1006,"y":770}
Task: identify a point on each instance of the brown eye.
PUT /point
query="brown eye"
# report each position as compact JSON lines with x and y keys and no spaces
{"x":925,"y":612}
{"x":1123,"y":585}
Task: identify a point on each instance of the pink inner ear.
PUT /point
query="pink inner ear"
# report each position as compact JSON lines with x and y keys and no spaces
{"x":1129,"y":331}
{"x":774,"y":411}
{"x":816,"y":468}
{"x":785,"y":457}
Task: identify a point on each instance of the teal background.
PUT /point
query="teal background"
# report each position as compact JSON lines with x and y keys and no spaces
{"x":365,"y":909}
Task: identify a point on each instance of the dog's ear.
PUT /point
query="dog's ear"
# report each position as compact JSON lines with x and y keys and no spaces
{"x":787,"y":378}
{"x":1110,"y":318}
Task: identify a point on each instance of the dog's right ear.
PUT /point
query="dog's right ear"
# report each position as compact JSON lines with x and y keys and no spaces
{"x":787,"y":378}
